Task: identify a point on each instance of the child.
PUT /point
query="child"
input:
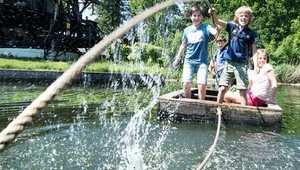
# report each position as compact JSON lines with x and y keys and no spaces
{"x":260,"y":83}
{"x":218,"y":61}
{"x":195,"y":41}
{"x":242,"y":41}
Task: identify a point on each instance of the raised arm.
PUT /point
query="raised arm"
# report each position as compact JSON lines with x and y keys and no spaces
{"x":179,"y":54}
{"x":253,"y":47}
{"x":216,"y":20}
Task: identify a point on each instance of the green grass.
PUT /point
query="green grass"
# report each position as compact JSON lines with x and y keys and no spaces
{"x":33,"y":65}
{"x":287,"y":74}
{"x":98,"y":66}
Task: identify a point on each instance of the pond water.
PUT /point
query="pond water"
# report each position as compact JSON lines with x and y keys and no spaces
{"x":116,"y":128}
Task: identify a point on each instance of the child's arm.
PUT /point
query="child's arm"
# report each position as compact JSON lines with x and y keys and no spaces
{"x":272,"y":79}
{"x":216,"y":31}
{"x":249,"y":85}
{"x":256,"y":69}
{"x":217,"y":21}
{"x":179,"y":54}
{"x":212,"y":66}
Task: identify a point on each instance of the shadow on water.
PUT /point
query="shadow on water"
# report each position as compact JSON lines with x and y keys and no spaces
{"x":116,"y":128}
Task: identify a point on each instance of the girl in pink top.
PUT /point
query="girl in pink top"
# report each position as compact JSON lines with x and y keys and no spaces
{"x":262,"y":85}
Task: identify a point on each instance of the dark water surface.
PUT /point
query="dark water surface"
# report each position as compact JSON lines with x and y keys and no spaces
{"x":116,"y":128}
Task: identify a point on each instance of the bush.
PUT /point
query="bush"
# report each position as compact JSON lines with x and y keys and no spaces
{"x":288,"y":73}
{"x":295,"y":77}
{"x":125,"y":51}
{"x":147,"y":53}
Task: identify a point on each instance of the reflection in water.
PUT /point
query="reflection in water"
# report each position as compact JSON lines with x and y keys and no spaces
{"x":112,"y":128}
{"x":288,"y":97}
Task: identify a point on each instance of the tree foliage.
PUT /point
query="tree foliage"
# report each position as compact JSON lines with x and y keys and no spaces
{"x":276,"y":23}
{"x":109,"y":15}
{"x":288,"y":50}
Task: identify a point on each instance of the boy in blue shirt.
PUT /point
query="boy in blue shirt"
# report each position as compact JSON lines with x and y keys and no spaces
{"x":195,"y":42}
{"x":242,"y":41}
{"x":218,"y":60}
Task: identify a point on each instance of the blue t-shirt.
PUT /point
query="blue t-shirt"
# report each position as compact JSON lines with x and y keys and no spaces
{"x":220,"y":60}
{"x":197,"y":43}
{"x":240,"y":42}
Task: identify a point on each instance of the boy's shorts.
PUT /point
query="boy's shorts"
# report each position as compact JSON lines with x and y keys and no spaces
{"x":237,"y":70}
{"x":190,"y":69}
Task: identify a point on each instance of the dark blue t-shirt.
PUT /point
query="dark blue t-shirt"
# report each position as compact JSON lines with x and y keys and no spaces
{"x":240,"y":42}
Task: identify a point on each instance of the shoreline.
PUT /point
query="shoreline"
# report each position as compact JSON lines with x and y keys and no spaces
{"x":90,"y":78}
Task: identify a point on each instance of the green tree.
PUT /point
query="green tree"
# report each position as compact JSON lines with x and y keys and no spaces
{"x":288,"y":50}
{"x":109,"y":15}
{"x":273,"y":19}
{"x":275,"y":22}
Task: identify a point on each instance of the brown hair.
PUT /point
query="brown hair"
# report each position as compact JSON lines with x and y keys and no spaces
{"x":221,"y":38}
{"x":194,"y":8}
{"x":245,"y":9}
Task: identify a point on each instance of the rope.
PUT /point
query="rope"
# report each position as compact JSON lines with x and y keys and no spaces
{"x":17,"y":125}
{"x":218,"y":34}
{"x":212,"y":148}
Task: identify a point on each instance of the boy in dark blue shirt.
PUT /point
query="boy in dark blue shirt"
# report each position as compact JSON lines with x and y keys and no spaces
{"x":242,"y":41}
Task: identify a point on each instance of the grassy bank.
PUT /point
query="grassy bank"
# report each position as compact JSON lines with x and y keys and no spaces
{"x":285,"y":73}
{"x":98,"y":66}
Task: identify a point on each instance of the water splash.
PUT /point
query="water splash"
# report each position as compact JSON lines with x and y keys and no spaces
{"x":181,"y":6}
{"x":136,"y":133}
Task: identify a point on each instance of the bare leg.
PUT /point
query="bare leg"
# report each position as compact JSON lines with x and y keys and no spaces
{"x":221,"y":94}
{"x":201,"y":91}
{"x":243,"y":95}
{"x":232,"y":97}
{"x":187,"y":90}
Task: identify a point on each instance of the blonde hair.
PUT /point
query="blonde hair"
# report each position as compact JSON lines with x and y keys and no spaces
{"x":243,"y":9}
{"x":262,"y":52}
